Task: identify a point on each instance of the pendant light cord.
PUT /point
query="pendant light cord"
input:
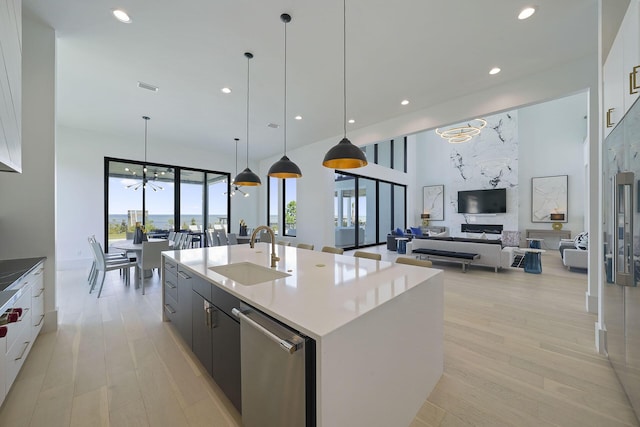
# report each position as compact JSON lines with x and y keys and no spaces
{"x":248,"y":60}
{"x":285,"y":88}
{"x":344,"y":61}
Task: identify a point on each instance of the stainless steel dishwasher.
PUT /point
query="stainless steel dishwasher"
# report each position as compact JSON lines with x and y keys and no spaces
{"x":277,"y":366}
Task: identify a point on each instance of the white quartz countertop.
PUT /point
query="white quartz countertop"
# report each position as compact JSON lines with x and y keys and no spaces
{"x":323,"y":293}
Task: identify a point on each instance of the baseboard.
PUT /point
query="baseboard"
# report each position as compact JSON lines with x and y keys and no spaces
{"x":591,"y":302}
{"x":601,"y":340}
{"x":50,"y":322}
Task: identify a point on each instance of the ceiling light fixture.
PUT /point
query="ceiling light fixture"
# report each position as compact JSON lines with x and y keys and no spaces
{"x":459,"y":134}
{"x":121,"y":16}
{"x":526,"y":13}
{"x":344,"y":155}
{"x":298,"y":117}
{"x":404,"y":102}
{"x":352,"y":121}
{"x":494,"y":70}
{"x":285,"y":168}
{"x":147,"y":86}
{"x":233,"y":187}
{"x":247,"y":177}
{"x":226,"y":90}
{"x":145,"y":182}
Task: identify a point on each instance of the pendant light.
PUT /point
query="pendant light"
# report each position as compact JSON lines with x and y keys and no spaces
{"x":233,"y":185}
{"x":285,"y":168}
{"x":247,"y":177}
{"x":344,"y":155}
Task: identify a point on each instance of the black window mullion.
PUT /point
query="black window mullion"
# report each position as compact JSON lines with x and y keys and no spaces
{"x":106,"y":203}
{"x":405,"y":154}
{"x":283,"y":214}
{"x":391,"y":153}
{"x":176,"y":199}
{"x":375,"y":153}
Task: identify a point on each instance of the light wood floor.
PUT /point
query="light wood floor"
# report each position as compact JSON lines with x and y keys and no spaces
{"x":519,"y":351}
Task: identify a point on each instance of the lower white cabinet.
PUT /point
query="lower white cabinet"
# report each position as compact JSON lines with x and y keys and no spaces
{"x":22,"y":333}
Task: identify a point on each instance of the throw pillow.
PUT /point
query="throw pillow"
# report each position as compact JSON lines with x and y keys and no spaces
{"x":399,"y":232}
{"x":416,"y":231}
{"x":582,"y":241}
{"x":484,"y":236}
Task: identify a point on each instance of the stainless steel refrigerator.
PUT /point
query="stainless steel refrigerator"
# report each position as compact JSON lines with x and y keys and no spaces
{"x":621,"y":209}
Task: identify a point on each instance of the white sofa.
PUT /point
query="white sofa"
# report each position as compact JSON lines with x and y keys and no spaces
{"x":575,"y":258}
{"x":491,"y":254}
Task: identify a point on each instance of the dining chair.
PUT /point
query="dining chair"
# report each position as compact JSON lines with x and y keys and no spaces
{"x":171,"y":237}
{"x":212,"y":239}
{"x":110,"y":257}
{"x":304,"y":246}
{"x":186,"y":241}
{"x":369,"y":255}
{"x":280,"y":242}
{"x":232,"y":238}
{"x":265,"y":237}
{"x":151,"y":257}
{"x":180,"y":239}
{"x":332,"y":250}
{"x":223,"y":240}
{"x":414,"y":261}
{"x":103,"y":266}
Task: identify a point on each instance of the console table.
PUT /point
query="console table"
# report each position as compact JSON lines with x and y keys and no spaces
{"x":542,"y":234}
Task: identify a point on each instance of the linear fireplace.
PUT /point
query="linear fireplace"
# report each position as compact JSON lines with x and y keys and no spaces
{"x":482,"y":228}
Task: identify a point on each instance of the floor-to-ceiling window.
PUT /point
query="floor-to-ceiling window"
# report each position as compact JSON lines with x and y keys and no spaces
{"x":290,"y":207}
{"x":273,"y":195}
{"x":366,"y":209}
{"x":171,"y":197}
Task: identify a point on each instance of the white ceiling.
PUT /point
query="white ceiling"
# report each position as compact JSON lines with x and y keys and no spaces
{"x":424,"y":50}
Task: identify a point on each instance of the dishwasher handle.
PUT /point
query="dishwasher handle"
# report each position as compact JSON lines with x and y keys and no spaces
{"x":284,"y":344}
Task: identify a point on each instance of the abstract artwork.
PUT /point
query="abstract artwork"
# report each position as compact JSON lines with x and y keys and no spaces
{"x":549,"y":195}
{"x":433,"y":202}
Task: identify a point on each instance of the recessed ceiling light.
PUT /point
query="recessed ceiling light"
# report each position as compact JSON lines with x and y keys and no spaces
{"x":121,"y":16}
{"x":273,"y":125}
{"x":352,"y":121}
{"x":494,"y":70}
{"x":405,"y":102}
{"x":526,"y":12}
{"x":147,"y":86}
{"x":226,"y":90}
{"x":298,"y":117}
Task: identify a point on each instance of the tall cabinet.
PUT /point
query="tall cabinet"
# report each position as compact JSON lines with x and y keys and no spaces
{"x":11,"y":85}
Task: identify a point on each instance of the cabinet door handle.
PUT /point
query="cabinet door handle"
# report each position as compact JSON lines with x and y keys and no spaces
{"x":40,"y":322}
{"x":214,"y":319}
{"x":633,"y":80}
{"x":183,"y":275}
{"x":39,"y":293}
{"x":169,"y":309}
{"x":24,"y":312}
{"x":171,"y":285}
{"x":609,"y":122}
{"x":26,"y":346}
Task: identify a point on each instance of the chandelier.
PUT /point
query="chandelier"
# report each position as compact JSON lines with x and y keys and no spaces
{"x":459,"y":134}
{"x":145,"y":183}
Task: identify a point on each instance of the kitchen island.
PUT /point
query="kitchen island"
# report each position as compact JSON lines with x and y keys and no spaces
{"x":377,"y":326}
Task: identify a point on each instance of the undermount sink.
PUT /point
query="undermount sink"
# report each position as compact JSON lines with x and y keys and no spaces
{"x":247,"y":273}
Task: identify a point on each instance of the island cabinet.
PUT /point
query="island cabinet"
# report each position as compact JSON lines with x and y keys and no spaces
{"x":216,"y":337}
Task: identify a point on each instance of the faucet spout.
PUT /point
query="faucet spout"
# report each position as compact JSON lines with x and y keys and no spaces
{"x":252,"y":242}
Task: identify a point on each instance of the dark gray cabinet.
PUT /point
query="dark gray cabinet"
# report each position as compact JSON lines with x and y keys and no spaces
{"x":184,"y":318}
{"x":216,"y":339}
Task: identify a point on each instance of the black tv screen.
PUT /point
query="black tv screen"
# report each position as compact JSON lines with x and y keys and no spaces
{"x":482,"y":201}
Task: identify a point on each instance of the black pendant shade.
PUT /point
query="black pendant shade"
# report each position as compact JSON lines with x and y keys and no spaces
{"x":344,"y":155}
{"x":284,"y":168}
{"x":247,"y":178}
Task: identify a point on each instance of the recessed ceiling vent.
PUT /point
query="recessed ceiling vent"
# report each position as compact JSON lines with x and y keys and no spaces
{"x":273,"y":125}
{"x":147,"y":86}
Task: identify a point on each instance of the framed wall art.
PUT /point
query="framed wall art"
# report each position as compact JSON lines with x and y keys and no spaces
{"x":549,"y":195}
{"x":433,"y":202}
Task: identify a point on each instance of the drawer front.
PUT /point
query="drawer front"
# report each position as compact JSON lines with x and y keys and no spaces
{"x":202,"y":287}
{"x":16,"y":356}
{"x":24,"y":322}
{"x":170,"y":308}
{"x":170,"y":267}
{"x":224,"y":300}
{"x":171,"y":287}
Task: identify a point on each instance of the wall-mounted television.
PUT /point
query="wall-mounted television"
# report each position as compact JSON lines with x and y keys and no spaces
{"x":482,"y":201}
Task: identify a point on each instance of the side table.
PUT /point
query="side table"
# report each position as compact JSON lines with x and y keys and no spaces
{"x":532,"y":259}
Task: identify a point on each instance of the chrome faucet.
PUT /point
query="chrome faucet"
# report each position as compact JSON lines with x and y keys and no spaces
{"x":274,"y":258}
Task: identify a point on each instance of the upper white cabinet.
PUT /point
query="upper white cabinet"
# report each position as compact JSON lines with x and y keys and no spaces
{"x":11,"y":85}
{"x":621,"y":71}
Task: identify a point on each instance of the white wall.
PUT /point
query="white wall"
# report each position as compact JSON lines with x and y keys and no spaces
{"x":80,"y":186}
{"x":27,"y":213}
{"x":552,"y":136}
